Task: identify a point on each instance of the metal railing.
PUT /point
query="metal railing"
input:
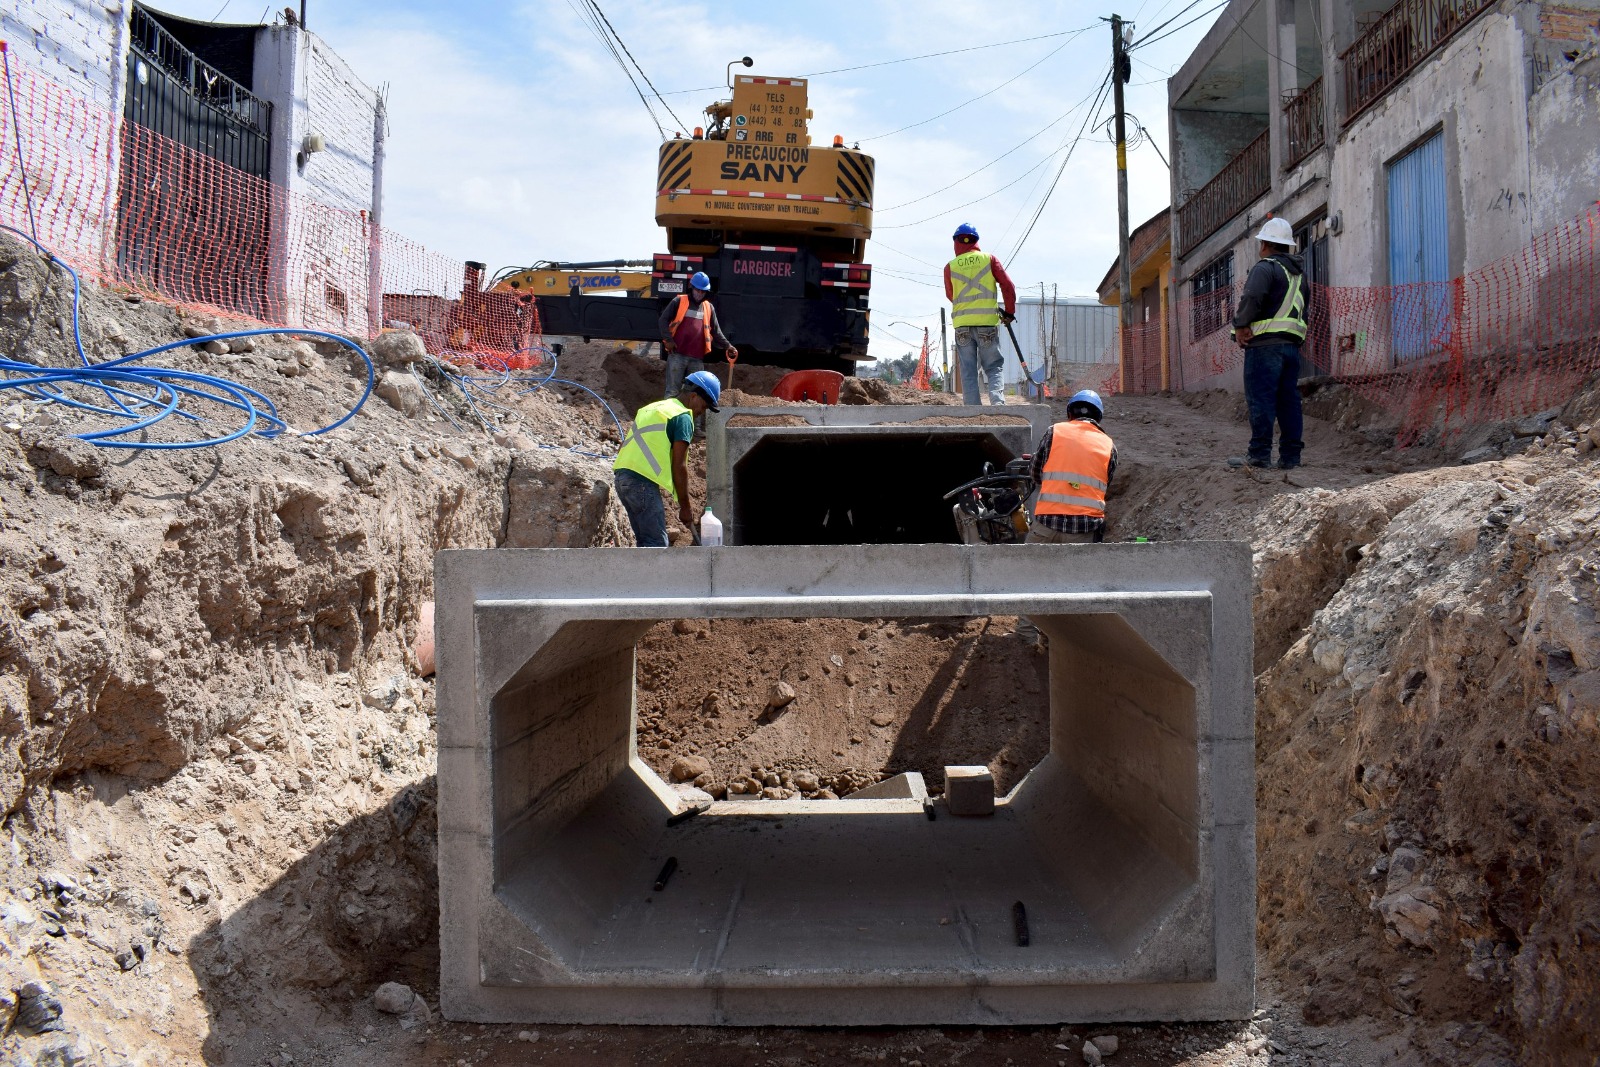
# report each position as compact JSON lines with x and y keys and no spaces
{"x":206,"y":83}
{"x":1401,"y":38}
{"x":1246,"y":178}
{"x":1302,"y":115}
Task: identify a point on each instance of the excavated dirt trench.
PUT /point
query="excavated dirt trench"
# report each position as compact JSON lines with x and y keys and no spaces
{"x":216,"y":759}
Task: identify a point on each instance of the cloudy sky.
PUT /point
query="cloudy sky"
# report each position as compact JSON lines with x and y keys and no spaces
{"x":515,"y":136}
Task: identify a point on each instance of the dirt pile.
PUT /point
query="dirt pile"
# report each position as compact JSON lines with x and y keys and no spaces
{"x":216,"y":759}
{"x":206,"y":688}
{"x":860,"y":700}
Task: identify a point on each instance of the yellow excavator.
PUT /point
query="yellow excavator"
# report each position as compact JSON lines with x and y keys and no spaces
{"x":779,"y":225}
{"x":586,"y":279}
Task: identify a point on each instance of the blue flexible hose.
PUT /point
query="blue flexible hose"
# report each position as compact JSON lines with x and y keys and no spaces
{"x":167,"y":387}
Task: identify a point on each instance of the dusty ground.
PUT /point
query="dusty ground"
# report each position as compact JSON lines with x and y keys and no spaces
{"x":216,"y":758}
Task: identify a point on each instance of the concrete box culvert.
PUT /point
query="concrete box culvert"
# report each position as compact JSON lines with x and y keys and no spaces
{"x":816,"y":474}
{"x":1131,"y":844}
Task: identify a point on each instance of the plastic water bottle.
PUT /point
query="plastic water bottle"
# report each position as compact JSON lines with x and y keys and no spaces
{"x":710,"y":530}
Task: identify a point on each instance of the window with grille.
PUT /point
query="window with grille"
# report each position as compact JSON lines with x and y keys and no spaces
{"x":1212,"y":307}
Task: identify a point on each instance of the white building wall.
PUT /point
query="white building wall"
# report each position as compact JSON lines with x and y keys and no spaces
{"x":1475,"y":91}
{"x":324,"y":244}
{"x":80,"y":46}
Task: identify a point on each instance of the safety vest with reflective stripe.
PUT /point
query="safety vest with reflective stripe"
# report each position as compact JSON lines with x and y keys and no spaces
{"x":1290,"y":318}
{"x":974,"y":294}
{"x":646,"y":450}
{"x":1076,"y":470}
{"x":701,"y":311}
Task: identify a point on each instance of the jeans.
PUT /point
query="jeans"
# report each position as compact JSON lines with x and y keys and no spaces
{"x":1271,"y":373}
{"x":641,"y":499}
{"x":980,"y":346}
{"x":680,"y":367}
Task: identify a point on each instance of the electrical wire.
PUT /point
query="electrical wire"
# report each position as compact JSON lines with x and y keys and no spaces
{"x":1152,"y":38}
{"x":145,"y":395}
{"x":600,"y":35}
{"x":906,"y":59}
{"x":1014,"y":148}
{"x":1017,"y":248}
{"x":980,"y":96}
{"x":16,"y":132}
{"x":594,"y":4}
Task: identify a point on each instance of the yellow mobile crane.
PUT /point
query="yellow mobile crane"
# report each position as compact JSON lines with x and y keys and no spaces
{"x":779,"y":225}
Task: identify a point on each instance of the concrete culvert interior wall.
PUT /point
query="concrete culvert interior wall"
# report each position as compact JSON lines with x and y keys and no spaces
{"x":809,"y":474}
{"x":553,"y":830}
{"x":843,"y":488}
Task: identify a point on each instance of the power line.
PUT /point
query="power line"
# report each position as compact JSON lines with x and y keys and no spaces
{"x":907,"y":59}
{"x":594,"y":4}
{"x":1151,"y":38}
{"x":1024,"y":142}
{"x":595,"y":28}
{"x":1017,"y":249}
{"x":980,"y":96}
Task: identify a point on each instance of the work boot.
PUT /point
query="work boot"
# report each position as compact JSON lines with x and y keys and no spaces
{"x":1242,"y":461}
{"x":1288,"y":464}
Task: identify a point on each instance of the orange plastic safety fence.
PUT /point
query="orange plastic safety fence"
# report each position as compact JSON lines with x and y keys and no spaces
{"x":920,"y":379}
{"x":1517,"y":336}
{"x":137,"y":210}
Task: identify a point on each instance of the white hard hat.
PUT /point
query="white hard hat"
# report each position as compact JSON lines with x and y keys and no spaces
{"x":1277,"y":232}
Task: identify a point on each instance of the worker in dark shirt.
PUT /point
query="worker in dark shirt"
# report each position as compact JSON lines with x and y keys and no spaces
{"x":1271,"y":325}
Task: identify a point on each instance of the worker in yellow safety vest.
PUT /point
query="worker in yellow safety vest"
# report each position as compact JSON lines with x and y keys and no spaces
{"x":1271,"y":325}
{"x":655,"y":456}
{"x":1072,"y":466}
{"x":975,"y":283}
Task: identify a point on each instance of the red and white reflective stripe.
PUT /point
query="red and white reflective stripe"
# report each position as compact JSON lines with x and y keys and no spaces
{"x":812,"y":197}
{"x":849,"y":285}
{"x":679,"y":259}
{"x":759,"y":248}
{"x":772,"y":81}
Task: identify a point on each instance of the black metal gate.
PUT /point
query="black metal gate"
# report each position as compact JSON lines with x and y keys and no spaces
{"x":194,"y":221}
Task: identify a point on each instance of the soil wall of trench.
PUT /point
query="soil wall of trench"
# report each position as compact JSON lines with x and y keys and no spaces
{"x":216,"y":757}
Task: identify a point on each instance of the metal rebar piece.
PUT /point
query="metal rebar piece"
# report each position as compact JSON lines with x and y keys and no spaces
{"x":666,"y":872}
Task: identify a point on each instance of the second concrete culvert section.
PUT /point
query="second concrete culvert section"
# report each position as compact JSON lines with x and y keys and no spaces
{"x":1130,"y":846}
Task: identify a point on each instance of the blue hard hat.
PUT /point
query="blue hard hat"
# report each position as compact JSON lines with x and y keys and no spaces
{"x":704,"y":382}
{"x":1090,"y":398}
{"x":966,"y":229}
{"x":699,"y":280}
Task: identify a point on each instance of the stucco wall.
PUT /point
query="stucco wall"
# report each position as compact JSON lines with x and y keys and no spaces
{"x":1474,"y":90}
{"x":1205,"y":141}
{"x":323,"y":251}
{"x":1564,"y":128}
{"x":79,"y":44}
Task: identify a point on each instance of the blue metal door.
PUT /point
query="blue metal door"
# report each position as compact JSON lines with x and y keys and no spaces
{"x":1419,"y":246}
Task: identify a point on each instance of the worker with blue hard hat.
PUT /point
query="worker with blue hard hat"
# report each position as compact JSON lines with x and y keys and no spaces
{"x":655,"y":456}
{"x":975,"y":283}
{"x":690,"y":329}
{"x":1072,"y":467}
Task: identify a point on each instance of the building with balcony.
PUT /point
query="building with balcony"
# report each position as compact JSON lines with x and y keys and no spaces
{"x":1406,"y":142}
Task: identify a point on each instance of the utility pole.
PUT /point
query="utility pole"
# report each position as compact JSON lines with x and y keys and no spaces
{"x":944,"y":356}
{"x":1120,"y":68}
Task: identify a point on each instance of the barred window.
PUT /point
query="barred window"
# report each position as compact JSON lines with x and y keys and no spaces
{"x":1212,"y":307}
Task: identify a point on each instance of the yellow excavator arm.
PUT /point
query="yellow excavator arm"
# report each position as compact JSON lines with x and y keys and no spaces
{"x":589,"y":279}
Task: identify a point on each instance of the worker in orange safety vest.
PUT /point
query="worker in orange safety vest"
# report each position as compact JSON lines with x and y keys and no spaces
{"x":1072,"y":466}
{"x":690,"y":328}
